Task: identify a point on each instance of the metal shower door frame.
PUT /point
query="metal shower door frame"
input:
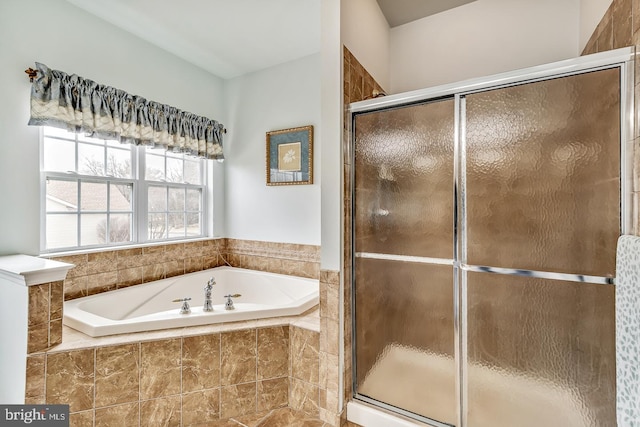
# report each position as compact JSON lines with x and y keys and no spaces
{"x":620,"y":58}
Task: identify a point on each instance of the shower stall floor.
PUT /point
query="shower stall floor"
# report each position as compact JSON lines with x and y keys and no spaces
{"x":424,"y":383}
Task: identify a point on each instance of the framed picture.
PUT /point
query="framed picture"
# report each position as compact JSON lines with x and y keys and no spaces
{"x":290,"y":156}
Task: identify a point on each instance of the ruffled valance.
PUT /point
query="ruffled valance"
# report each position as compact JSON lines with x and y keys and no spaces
{"x":81,"y":105}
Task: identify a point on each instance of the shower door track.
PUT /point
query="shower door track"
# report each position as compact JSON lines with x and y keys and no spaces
{"x":620,"y":58}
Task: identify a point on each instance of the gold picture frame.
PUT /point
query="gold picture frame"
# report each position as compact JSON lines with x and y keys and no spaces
{"x":289,"y":156}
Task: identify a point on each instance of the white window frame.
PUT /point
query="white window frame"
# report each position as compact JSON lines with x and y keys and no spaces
{"x":139,"y":204}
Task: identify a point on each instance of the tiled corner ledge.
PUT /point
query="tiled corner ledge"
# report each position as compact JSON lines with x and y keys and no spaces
{"x":28,"y":270}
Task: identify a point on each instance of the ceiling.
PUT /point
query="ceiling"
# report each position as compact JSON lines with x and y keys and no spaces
{"x":399,"y":12}
{"x":230,"y":38}
{"x":225,"y":37}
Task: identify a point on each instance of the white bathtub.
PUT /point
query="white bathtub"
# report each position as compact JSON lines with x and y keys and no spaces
{"x":149,"y":306}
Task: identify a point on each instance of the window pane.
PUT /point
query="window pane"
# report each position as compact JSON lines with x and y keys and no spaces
{"x":194,"y":198}
{"x":62,"y":231}
{"x":176,"y":199}
{"x":118,"y":163}
{"x":90,"y":159}
{"x":120,"y":228}
{"x":93,"y":196}
{"x":176,"y":225}
{"x":155,"y":168}
{"x":192,"y":171}
{"x":193,"y":224}
{"x":61,"y":196}
{"x":93,"y":229}
{"x":174,"y":169}
{"x":59,"y":155}
{"x":157,"y":199}
{"x":121,"y":195}
{"x":157,"y":226}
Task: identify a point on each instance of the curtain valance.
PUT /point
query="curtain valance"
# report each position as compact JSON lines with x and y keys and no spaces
{"x":82,"y":105}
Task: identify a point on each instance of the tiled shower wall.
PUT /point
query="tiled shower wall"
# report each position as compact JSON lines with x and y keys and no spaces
{"x":620,"y":27}
{"x":358,"y":86}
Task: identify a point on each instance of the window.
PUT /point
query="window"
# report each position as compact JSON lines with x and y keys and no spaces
{"x":100,"y":193}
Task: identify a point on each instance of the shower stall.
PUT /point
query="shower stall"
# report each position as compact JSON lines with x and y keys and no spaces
{"x":484,"y":220}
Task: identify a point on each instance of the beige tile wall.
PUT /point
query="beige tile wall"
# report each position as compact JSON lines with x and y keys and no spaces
{"x":620,"y":27}
{"x":182,"y":381}
{"x":107,"y":270}
{"x":45,"y":316}
{"x":358,"y":85}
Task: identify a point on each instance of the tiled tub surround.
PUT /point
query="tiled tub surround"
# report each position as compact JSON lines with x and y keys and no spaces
{"x":178,"y":376}
{"x":182,"y":377}
{"x":108,"y":270}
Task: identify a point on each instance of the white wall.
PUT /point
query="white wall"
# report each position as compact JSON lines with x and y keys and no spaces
{"x":591,"y":12}
{"x":331,"y":150}
{"x":365,"y":32}
{"x":279,"y":97}
{"x":482,"y":38}
{"x":66,"y":38}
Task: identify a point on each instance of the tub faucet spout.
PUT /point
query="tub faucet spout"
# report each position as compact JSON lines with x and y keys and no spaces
{"x":208,"y":306}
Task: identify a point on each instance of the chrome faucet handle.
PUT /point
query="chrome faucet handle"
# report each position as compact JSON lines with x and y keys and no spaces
{"x":208,"y":305}
{"x":185,"y":309}
{"x":210,"y":283}
{"x":229,"y":304}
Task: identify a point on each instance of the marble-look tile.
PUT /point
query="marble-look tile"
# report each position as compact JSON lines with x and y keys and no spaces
{"x":284,"y":417}
{"x":120,"y":415}
{"x":38,"y":337}
{"x":75,"y":287}
{"x":70,"y":379}
{"x":55,"y":332}
{"x":81,"y":419}
{"x":305,"y":359}
{"x":200,"y":407}
{"x":200,"y":362}
{"x":34,"y":391}
{"x":38,"y":304}
{"x":238,"y":362}
{"x":238,"y":400}
{"x":273,"y":352}
{"x":304,"y":397}
{"x":79,"y":262}
{"x":164,"y":412}
{"x":333,"y":336}
{"x":159,"y":368}
{"x":102,"y":282}
{"x":129,"y":277}
{"x":272,"y":394}
{"x":56,"y":298}
{"x":193,"y":264}
{"x":152,"y":272}
{"x":333,"y":302}
{"x":173,"y":268}
{"x":117,"y":373}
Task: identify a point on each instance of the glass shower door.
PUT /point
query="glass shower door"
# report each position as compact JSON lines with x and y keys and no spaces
{"x":404,"y":249}
{"x":543,"y":211}
{"x":485,"y":223}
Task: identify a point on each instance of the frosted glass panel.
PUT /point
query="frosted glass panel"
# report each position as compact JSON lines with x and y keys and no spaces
{"x":404,"y":336}
{"x":543,"y":175}
{"x":404,"y":180}
{"x":540,"y":352}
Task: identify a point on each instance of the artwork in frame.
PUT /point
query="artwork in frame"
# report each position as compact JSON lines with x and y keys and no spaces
{"x":290,"y":156}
